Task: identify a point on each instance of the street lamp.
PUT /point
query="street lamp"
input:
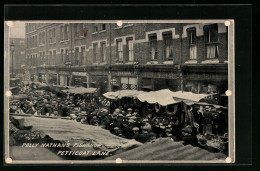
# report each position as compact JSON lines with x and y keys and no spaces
{"x":12,"y":48}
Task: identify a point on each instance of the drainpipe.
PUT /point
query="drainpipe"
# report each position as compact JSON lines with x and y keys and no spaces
{"x":110,"y":61}
{"x":180,"y":69}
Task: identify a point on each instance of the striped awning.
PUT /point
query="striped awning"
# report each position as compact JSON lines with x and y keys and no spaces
{"x":167,"y":149}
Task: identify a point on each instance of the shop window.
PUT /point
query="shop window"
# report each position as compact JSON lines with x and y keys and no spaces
{"x":128,"y":83}
{"x":153,"y":47}
{"x":211,"y":41}
{"x":103,"y":51}
{"x":130,"y":49}
{"x":168,"y":46}
{"x":95,"y":52}
{"x":119,"y":47}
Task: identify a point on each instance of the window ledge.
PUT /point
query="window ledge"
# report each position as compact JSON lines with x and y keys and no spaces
{"x":168,"y":62}
{"x":191,"y":61}
{"x":226,"y":61}
{"x":128,"y":25}
{"x":53,"y":43}
{"x":131,"y":63}
{"x":210,"y":61}
{"x":118,"y":28}
{"x":79,"y":37}
{"x":102,"y":31}
{"x":119,"y":63}
{"x":95,"y":33}
{"x":152,"y":62}
{"x":64,"y":41}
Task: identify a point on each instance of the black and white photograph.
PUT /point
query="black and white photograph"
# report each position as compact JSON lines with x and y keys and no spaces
{"x":119,"y":91}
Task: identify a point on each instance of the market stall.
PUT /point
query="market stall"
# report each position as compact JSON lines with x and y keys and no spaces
{"x":80,"y":90}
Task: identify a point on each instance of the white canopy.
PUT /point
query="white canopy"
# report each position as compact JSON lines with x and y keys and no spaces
{"x":163,"y":97}
{"x":189,"y":96}
{"x":80,"y":90}
{"x":122,"y":93}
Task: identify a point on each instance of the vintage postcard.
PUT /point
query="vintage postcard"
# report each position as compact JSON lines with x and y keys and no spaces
{"x":119,"y":91}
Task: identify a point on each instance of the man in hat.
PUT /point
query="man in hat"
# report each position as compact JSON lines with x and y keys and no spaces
{"x":152,"y":136}
{"x":94,"y":121}
{"x":136,"y":132}
{"x":145,"y":135}
{"x":118,"y":131}
{"x":128,"y":129}
{"x":129,"y":111}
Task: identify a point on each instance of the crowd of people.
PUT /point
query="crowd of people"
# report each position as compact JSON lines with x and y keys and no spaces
{"x":124,"y":121}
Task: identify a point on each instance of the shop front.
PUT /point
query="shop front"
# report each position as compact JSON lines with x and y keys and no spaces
{"x":79,"y":79}
{"x":64,"y":80}
{"x":101,"y":83}
{"x":124,"y":80}
{"x":207,"y":80}
{"x":42,"y":77}
{"x":97,"y":77}
{"x":53,"y":79}
{"x":155,"y":80}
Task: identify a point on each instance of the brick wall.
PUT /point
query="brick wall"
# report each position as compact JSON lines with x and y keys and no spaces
{"x":139,"y":33}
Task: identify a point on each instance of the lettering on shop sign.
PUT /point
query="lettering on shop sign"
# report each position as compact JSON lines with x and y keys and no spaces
{"x":79,"y":73}
{"x":206,"y":76}
{"x":124,"y":73}
{"x":166,"y":75}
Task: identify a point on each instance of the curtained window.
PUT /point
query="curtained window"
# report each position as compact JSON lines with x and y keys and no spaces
{"x":211,"y":41}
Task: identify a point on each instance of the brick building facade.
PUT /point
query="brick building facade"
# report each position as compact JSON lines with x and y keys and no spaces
{"x":142,"y":56}
{"x":18,"y":54}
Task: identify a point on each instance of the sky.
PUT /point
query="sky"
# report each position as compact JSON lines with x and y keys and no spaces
{"x":17,"y":29}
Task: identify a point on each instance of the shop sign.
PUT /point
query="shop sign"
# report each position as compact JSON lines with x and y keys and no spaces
{"x":165,"y":75}
{"x":124,"y":73}
{"x":79,"y":73}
